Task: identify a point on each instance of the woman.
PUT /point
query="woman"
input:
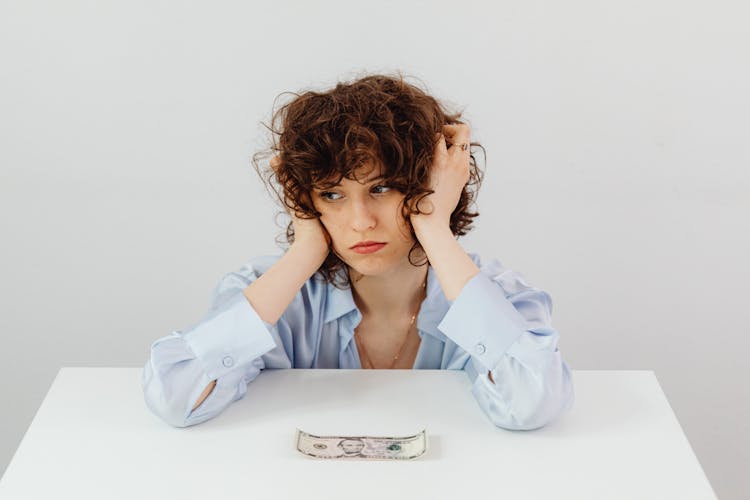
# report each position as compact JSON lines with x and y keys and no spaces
{"x":378,"y":180}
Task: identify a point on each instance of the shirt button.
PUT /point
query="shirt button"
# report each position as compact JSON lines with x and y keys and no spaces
{"x":228,"y":361}
{"x":480,"y":348}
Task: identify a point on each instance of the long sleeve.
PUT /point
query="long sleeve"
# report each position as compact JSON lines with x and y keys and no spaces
{"x":505,"y":326}
{"x":226,"y":346}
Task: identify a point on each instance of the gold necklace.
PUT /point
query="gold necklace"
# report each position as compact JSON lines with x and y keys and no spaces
{"x":361,"y":345}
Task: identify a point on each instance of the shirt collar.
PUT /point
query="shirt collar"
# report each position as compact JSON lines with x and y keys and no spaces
{"x":340,"y":303}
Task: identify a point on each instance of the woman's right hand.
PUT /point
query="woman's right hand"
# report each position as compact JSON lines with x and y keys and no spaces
{"x":309,"y":234}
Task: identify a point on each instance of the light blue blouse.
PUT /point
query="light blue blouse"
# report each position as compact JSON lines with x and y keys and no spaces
{"x":498,"y":322}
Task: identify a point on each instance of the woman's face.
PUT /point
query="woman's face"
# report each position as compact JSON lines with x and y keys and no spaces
{"x":354,"y":212}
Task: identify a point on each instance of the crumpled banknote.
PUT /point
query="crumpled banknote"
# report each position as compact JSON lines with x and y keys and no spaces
{"x":362,"y":447}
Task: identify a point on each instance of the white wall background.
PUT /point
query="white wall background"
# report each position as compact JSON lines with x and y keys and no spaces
{"x":617,"y":174}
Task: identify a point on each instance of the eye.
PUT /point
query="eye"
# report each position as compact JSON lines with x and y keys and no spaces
{"x":329,"y":195}
{"x":380,"y":189}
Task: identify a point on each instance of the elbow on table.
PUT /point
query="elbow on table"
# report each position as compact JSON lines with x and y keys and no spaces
{"x":165,"y":404}
{"x":169,"y":412}
{"x":529,"y":422}
{"x":175,"y":419}
{"x":533,"y":411}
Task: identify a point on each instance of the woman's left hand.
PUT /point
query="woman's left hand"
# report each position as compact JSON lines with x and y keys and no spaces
{"x":449,"y":173}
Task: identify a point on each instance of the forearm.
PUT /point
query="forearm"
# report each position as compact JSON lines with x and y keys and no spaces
{"x":452,"y":265}
{"x":272,"y":292}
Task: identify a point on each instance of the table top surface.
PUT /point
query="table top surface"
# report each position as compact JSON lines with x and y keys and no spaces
{"x":94,"y":437}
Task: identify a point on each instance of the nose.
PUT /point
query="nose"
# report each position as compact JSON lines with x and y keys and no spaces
{"x":362,"y":216}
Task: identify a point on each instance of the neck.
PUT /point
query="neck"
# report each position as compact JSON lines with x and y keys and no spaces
{"x":397,"y":292}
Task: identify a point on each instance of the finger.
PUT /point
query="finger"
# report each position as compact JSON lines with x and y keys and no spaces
{"x":458,"y":143}
{"x":453,"y":129}
{"x":440,"y":146}
{"x":458,"y":134}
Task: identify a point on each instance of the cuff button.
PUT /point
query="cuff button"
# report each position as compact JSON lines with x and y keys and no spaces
{"x":480,"y":348}
{"x":227,"y":361}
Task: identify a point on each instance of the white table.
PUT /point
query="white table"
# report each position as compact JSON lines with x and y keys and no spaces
{"x":94,"y":438}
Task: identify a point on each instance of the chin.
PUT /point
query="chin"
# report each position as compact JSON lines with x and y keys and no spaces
{"x":368,"y":268}
{"x":372,"y":265}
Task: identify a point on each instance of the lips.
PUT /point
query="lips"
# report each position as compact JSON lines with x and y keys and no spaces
{"x":366,"y":243}
{"x":367,"y":247}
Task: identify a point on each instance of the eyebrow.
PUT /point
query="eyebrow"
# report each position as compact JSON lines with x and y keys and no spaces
{"x":376,"y":178}
{"x":367,"y":181}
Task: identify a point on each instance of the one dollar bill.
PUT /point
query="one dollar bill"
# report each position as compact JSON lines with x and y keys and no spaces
{"x":362,"y":447}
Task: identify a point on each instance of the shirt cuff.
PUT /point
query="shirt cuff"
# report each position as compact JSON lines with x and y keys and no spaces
{"x":482,"y":321}
{"x":232,"y":336}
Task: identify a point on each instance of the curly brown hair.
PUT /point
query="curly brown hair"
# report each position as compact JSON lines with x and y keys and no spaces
{"x":322,"y":137}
